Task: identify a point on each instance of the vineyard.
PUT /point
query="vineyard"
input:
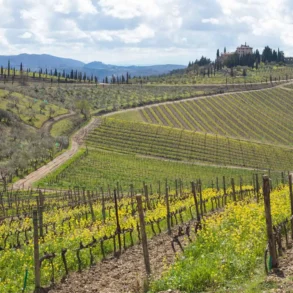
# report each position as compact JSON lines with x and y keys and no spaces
{"x":106,"y":98}
{"x":262,"y":75}
{"x":98,"y":168}
{"x":228,"y":251}
{"x":263,"y":116}
{"x":187,"y":146}
{"x":78,"y":228}
{"x":73,"y":229}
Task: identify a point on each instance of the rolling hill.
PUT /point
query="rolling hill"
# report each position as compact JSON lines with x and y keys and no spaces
{"x":99,"y":69}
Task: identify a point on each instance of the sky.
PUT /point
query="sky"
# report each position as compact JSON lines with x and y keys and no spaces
{"x":143,"y":32}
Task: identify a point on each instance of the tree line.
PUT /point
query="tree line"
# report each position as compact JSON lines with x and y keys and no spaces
{"x":72,"y":75}
{"x":252,"y":60}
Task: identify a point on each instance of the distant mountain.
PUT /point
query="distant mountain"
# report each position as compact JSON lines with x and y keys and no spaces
{"x":35,"y":62}
{"x":97,"y":68}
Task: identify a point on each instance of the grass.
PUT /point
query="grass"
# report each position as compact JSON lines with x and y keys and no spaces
{"x":66,"y":126}
{"x":228,"y":251}
{"x":22,"y":105}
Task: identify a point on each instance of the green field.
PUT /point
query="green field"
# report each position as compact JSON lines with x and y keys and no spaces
{"x":103,"y":169}
{"x":66,"y":126}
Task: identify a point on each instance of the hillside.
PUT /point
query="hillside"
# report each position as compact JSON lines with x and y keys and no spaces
{"x":261,"y":116}
{"x":99,"y":69}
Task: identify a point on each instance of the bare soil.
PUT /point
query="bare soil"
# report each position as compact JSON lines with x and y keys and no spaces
{"x":125,"y":274}
{"x":282,"y":278}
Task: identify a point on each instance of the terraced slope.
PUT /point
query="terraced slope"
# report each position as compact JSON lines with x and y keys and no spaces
{"x":182,"y":145}
{"x":264,"y":116}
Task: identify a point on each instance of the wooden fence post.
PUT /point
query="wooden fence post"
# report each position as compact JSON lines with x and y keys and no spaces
{"x":270,"y":234}
{"x":168,"y":211}
{"x":36,"y":253}
{"x":291,"y":201}
{"x":143,"y":236}
{"x":117,"y":221}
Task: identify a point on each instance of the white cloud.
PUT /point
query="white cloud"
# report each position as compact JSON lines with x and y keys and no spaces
{"x":142,"y":32}
{"x":211,"y":20}
{"x":135,"y":36}
{"x":88,"y":29}
{"x":125,"y":9}
{"x":3,"y":39}
{"x":81,"y":6}
{"x":26,"y":35}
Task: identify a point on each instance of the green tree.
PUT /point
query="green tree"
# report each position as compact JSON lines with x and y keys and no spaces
{"x":84,"y":107}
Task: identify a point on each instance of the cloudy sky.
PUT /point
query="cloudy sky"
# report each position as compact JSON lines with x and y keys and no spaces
{"x":142,"y":31}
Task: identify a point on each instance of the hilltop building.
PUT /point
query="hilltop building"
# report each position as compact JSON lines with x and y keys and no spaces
{"x":225,"y":56}
{"x":241,"y":51}
{"x":244,"y":50}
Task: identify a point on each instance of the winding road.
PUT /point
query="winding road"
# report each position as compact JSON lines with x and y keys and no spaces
{"x":78,"y":138}
{"x":76,"y":141}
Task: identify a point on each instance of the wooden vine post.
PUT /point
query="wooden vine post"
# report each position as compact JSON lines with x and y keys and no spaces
{"x":233,"y":189}
{"x":241,"y":189}
{"x":195,"y":201}
{"x":91,"y":206}
{"x":40,"y":212}
{"x":291,"y":201}
{"x":118,"y":229}
{"x":258,"y":187}
{"x":36,"y":253}
{"x":143,"y":236}
{"x":224,"y":184}
{"x":146,"y":193}
{"x":168,"y":211}
{"x":200,"y":197}
{"x":103,"y":206}
{"x":270,"y":234}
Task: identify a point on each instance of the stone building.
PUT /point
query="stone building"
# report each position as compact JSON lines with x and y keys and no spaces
{"x":244,"y":50}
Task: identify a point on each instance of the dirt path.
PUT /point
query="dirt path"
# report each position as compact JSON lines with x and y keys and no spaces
{"x":124,"y":274}
{"x":76,"y":142}
{"x":46,"y":127}
{"x":78,"y":138}
{"x":282,"y":279}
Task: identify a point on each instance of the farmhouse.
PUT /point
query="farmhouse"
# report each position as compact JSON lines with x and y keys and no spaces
{"x":244,"y":50}
{"x":241,"y":51}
